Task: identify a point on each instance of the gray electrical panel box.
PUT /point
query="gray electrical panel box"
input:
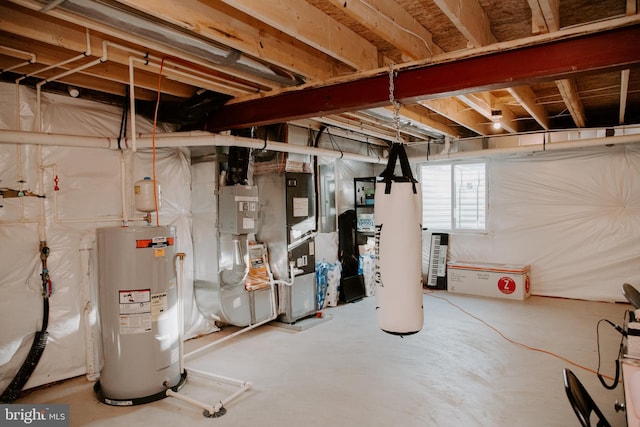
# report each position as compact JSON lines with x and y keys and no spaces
{"x":238,"y":209}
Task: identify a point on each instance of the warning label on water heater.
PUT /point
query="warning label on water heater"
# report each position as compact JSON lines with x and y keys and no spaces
{"x":135,"y":311}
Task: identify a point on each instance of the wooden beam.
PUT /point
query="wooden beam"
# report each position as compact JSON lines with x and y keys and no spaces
{"x":313,"y":27}
{"x":373,"y":117}
{"x":496,"y":69}
{"x":356,"y":125}
{"x":527,"y":98}
{"x":624,"y":89}
{"x":485,"y":104}
{"x":545,"y":16}
{"x":416,"y":114}
{"x":61,"y":22}
{"x":470,"y":19}
{"x":50,"y":55}
{"x":51,"y":32}
{"x":338,"y":131}
{"x":571,"y":98}
{"x":244,"y":34}
{"x":87,"y":81}
{"x":455,"y":110}
{"x":392,"y":23}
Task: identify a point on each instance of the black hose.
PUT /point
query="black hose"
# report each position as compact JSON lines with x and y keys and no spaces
{"x":13,"y":390}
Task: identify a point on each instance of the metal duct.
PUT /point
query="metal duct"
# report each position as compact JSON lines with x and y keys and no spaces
{"x":173,"y":37}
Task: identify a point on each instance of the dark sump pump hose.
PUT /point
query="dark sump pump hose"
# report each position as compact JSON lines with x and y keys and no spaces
{"x":12,"y":391}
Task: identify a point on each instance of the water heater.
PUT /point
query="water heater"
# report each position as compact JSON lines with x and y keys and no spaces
{"x":138,"y":314}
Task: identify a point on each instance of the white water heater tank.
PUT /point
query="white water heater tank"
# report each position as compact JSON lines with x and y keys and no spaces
{"x":145,"y":192}
{"x":138,"y":314}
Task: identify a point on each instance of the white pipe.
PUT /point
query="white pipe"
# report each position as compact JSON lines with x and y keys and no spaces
{"x":31,"y":60}
{"x":175,"y":140}
{"x":132,"y":106}
{"x":42,"y":222}
{"x":211,"y":139}
{"x":204,"y":81}
{"x":13,"y":67}
{"x":243,"y":387}
{"x":19,"y":167}
{"x":123,"y":192}
{"x":216,"y":377}
{"x":534,"y":148}
{"x":241,"y":331}
{"x":146,"y":58}
{"x":181,"y":311}
{"x":103,"y":58}
{"x":274,"y":313}
{"x":194,"y":402}
{"x":32,"y":56}
{"x":91,"y":354}
{"x":56,"y":65}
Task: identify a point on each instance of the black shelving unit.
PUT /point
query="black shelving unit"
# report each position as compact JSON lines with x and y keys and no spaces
{"x":364,"y":191}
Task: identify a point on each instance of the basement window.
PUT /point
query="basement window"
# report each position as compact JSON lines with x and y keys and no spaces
{"x":454,"y":196}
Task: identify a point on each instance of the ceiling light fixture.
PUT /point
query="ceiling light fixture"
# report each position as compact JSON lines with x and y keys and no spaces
{"x":496,"y":116}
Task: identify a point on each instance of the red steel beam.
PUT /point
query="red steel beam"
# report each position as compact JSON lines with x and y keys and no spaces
{"x":553,"y":60}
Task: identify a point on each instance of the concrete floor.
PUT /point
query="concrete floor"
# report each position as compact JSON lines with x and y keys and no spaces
{"x":345,"y":372}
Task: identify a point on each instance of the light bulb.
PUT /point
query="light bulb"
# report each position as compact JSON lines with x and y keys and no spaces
{"x":497,"y":125}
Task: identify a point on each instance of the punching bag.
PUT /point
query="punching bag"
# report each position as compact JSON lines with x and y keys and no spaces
{"x":398,"y":247}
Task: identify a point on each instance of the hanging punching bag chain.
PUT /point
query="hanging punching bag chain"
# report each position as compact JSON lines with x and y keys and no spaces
{"x":396,"y":105}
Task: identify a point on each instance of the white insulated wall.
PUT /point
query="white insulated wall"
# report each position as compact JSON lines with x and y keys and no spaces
{"x":89,"y":197}
{"x":574,"y":216}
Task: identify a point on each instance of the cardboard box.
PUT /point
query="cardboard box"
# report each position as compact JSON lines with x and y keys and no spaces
{"x":490,"y":280}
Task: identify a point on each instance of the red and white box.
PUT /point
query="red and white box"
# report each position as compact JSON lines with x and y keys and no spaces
{"x":490,"y":280}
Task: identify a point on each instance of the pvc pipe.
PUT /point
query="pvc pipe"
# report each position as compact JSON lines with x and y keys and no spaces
{"x":13,"y":67}
{"x":181,"y":256}
{"x":42,"y":222}
{"x":31,"y":60}
{"x":534,"y":148}
{"x":216,"y":377}
{"x":58,"y":64}
{"x":123,"y":188}
{"x":32,"y":56}
{"x":145,"y":58}
{"x":244,"y":385}
{"x":194,"y":402}
{"x":274,"y":311}
{"x":93,"y":370}
{"x":175,"y":140}
{"x":132,"y":106}
{"x":203,"y":139}
{"x":235,"y":334}
{"x":39,"y":85}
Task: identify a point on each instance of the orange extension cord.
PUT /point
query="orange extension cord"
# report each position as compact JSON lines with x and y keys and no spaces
{"x":525,"y":346}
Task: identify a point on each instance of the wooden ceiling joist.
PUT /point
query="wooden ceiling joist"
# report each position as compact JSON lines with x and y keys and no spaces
{"x":612,"y":49}
{"x":304,"y":22}
{"x":545,"y":16}
{"x":569,"y":92}
{"x":455,"y":110}
{"x":624,"y":89}
{"x":527,"y":98}
{"x":394,"y":24}
{"x":487,"y":104}
{"x":470,"y":19}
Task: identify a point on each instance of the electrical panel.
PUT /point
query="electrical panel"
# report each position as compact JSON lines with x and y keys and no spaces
{"x":238,"y":209}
